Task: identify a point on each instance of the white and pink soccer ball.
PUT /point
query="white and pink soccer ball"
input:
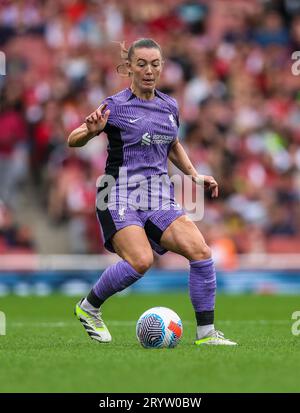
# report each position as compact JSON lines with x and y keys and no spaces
{"x":159,"y":327}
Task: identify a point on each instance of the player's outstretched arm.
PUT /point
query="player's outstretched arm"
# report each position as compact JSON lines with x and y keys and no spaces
{"x":94,"y":124}
{"x":180,"y":159}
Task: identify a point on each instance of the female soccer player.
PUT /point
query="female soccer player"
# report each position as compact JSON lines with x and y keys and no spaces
{"x":141,"y":124}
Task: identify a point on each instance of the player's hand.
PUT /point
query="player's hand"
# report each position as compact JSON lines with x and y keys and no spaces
{"x":209,"y":183}
{"x":97,"y":120}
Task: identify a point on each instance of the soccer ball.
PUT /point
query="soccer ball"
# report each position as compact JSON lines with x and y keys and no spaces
{"x":159,"y":327}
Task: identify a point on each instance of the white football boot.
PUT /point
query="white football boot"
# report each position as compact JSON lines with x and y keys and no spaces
{"x":93,"y":324}
{"x":215,"y":338}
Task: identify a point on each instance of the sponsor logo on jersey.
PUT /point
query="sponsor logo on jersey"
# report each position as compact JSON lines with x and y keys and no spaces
{"x":147,"y":139}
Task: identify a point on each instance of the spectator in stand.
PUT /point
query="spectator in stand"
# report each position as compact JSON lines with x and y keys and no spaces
{"x":13,"y":148}
{"x":13,"y":237}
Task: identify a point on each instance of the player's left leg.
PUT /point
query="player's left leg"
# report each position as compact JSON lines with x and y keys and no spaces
{"x":183,"y":237}
{"x":131,"y":244}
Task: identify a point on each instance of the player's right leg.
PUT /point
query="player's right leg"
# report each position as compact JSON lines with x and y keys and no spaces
{"x":131,"y":244}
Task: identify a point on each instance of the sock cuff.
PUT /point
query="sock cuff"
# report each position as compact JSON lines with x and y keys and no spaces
{"x":131,"y":269}
{"x":205,"y":317}
{"x":93,"y":299}
{"x":201,"y":263}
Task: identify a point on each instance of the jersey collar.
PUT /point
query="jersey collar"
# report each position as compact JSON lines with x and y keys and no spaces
{"x":131,"y":95}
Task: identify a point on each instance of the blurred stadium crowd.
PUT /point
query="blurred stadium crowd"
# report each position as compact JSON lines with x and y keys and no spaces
{"x":228,"y":63}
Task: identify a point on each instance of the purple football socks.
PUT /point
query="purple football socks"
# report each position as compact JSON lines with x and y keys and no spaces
{"x":115,"y":278}
{"x":202,"y":286}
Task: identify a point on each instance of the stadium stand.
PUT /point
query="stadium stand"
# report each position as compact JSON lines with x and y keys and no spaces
{"x":228,"y":67}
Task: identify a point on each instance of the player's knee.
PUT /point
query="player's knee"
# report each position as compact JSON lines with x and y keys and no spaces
{"x":198,"y":251}
{"x":205,"y":252}
{"x":142,"y":263}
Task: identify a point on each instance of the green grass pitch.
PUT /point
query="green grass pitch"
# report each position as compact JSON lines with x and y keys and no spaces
{"x":46,"y":349}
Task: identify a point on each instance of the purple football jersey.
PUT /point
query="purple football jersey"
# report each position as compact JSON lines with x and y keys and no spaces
{"x":140,"y":133}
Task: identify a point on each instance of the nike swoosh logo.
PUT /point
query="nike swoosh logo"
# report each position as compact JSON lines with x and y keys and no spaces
{"x":135,"y":120}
